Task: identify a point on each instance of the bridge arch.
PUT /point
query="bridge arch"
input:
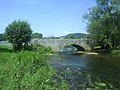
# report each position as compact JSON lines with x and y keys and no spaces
{"x":68,"y":48}
{"x":71,"y":48}
{"x":78,"y":47}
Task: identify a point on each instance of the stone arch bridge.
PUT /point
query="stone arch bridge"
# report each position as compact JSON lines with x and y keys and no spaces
{"x":57,"y":44}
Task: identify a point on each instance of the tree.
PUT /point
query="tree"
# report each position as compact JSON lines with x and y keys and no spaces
{"x":2,"y":37}
{"x":74,"y":36}
{"x":104,"y":23}
{"x":37,"y":35}
{"x":18,"y":33}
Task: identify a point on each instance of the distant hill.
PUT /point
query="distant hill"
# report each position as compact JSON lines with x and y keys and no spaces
{"x":74,"y":36}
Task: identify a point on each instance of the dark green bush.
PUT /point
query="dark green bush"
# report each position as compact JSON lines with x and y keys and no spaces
{"x":115,"y":52}
{"x":41,"y":49}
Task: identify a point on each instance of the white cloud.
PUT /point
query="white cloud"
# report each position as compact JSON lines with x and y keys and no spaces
{"x":67,"y":32}
{"x":25,"y":18}
{"x":3,"y":24}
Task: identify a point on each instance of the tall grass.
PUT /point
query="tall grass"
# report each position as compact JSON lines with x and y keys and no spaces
{"x":27,"y":70}
{"x":116,"y":52}
{"x":6,"y":48}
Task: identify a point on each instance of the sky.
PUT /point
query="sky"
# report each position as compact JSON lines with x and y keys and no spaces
{"x":49,"y":17}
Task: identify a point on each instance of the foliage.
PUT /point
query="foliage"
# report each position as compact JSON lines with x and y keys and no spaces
{"x":75,"y":36}
{"x":41,"y":49}
{"x":4,"y":48}
{"x":37,"y":35}
{"x":2,"y":37}
{"x":28,"y":71}
{"x":52,"y":37}
{"x":99,"y":85}
{"x":38,"y":49}
{"x":115,"y":52}
{"x":18,"y":33}
{"x":104,"y":23}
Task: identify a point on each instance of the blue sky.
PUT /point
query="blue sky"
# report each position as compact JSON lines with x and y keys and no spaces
{"x":49,"y":17}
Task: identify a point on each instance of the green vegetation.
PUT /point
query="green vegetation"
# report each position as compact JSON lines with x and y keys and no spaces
{"x":4,"y":49}
{"x":74,"y":36}
{"x":37,"y":35}
{"x":27,"y":70}
{"x":41,"y":49}
{"x":104,"y":23}
{"x":18,"y":33}
{"x":115,"y":52}
{"x":2,"y":37}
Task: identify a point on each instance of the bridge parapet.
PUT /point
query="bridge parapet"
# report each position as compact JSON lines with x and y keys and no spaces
{"x":57,"y":44}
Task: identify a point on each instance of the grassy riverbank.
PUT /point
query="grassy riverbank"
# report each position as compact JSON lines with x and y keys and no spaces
{"x":115,"y":52}
{"x":28,"y":70}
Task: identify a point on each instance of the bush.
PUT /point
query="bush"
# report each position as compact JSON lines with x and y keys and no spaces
{"x":27,"y":71}
{"x":6,"y":48}
{"x":42,"y":49}
{"x":115,"y":52}
{"x":37,"y":35}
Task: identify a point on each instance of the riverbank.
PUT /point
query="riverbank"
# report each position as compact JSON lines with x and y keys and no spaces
{"x":85,"y":52}
{"x":115,"y":52}
{"x":28,"y":70}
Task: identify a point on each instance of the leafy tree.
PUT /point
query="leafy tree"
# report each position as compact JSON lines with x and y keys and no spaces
{"x":37,"y":35}
{"x":2,"y":37}
{"x":18,"y":33}
{"x":104,"y":23}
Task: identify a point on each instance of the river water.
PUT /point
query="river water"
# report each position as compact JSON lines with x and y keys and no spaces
{"x":88,"y":72}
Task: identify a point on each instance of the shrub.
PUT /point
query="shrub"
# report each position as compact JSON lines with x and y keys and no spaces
{"x":18,"y":33}
{"x":6,"y":48}
{"x":115,"y":52}
{"x":27,"y":71}
{"x":37,"y":35}
{"x":41,"y":49}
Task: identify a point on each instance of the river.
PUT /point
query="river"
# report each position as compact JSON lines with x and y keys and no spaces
{"x":88,"y":72}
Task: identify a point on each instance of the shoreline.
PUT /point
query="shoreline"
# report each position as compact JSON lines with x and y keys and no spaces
{"x":85,"y":52}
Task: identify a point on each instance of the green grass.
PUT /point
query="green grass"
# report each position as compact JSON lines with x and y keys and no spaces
{"x":116,"y":52}
{"x":6,"y":49}
{"x":27,"y":70}
{"x":41,"y":49}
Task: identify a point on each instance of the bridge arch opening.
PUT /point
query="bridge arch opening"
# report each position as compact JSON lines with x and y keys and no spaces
{"x":68,"y":48}
{"x":71,"y":48}
{"x":78,"y":47}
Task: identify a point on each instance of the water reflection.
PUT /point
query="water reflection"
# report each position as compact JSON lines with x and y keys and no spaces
{"x":67,"y":49}
{"x":84,"y":71}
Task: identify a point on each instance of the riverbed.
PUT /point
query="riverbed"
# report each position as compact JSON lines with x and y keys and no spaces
{"x":90,"y":72}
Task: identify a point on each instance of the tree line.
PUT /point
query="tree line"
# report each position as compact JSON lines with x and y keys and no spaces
{"x":104,"y":23}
